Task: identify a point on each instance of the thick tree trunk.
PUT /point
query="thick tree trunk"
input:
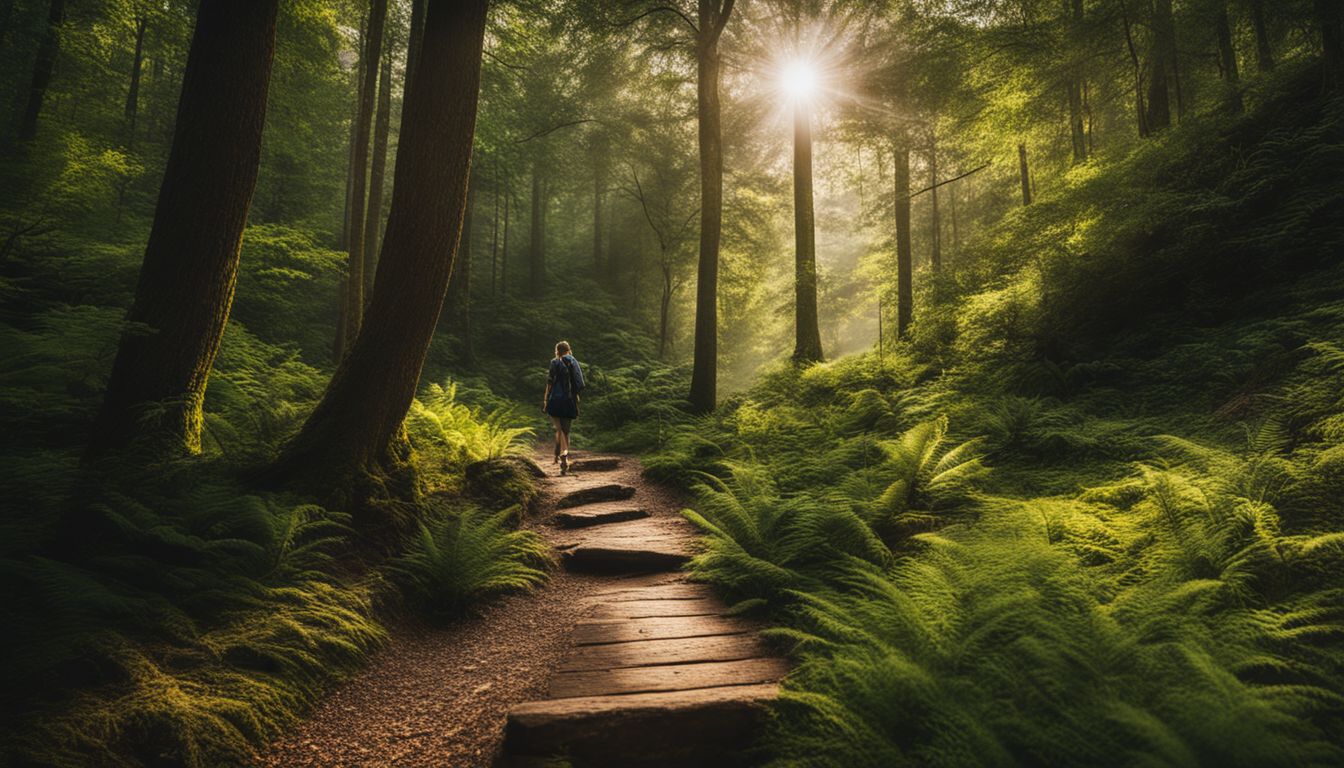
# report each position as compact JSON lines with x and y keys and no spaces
{"x":352,"y":430}
{"x":354,"y":286}
{"x":1025,"y":172}
{"x":377,"y":175}
{"x":43,"y":65}
{"x":935,"y":220}
{"x":536,"y":247}
{"x":705,"y":368}
{"x":133,"y":92}
{"x":1162,"y":69}
{"x":905,"y":294}
{"x":186,"y":282}
{"x":1330,"y":18}
{"x":1227,"y":57}
{"x":1264,"y":54}
{"x":807,"y":331}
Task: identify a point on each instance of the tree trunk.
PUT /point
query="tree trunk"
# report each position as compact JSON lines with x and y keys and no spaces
{"x":536,"y":249}
{"x":599,"y":181}
{"x":377,"y":175}
{"x":133,"y":93}
{"x":664,"y":306}
{"x":952,"y":201}
{"x":354,"y":286}
{"x":1140,"y":112}
{"x":807,"y":332}
{"x":504,"y":246}
{"x":935,"y":221}
{"x":494,"y":231}
{"x":352,"y":430}
{"x":1264,"y":54}
{"x":1227,"y":57}
{"x":705,"y":368}
{"x":1074,"y":85}
{"x":1162,"y":60}
{"x":905,"y":294}
{"x":417,"y":32}
{"x":185,"y":290}
{"x":1330,"y":17}
{"x":459,"y":284}
{"x":43,"y":65}
{"x":1025,"y":172}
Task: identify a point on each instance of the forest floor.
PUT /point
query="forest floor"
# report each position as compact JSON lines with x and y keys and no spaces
{"x":440,"y":696}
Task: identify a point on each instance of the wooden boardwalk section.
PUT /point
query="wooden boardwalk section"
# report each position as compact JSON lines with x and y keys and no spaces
{"x":658,"y":674}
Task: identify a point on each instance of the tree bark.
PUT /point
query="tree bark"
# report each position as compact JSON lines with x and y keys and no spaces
{"x":417,"y":32}
{"x":494,"y":231}
{"x":1025,"y":173}
{"x":536,"y":249}
{"x":378,"y":174}
{"x":353,"y":428}
{"x":186,"y":283}
{"x":1162,"y":60}
{"x":354,"y":285}
{"x":1227,"y":56}
{"x":1264,"y":54}
{"x":133,"y":93}
{"x":1140,"y":112}
{"x":504,"y":246}
{"x":705,"y":368}
{"x":599,"y":181}
{"x":904,"y":252}
{"x":807,"y":333}
{"x":935,"y":220}
{"x":1074,"y":85}
{"x":459,"y":284}
{"x":664,"y":307}
{"x":43,"y":65}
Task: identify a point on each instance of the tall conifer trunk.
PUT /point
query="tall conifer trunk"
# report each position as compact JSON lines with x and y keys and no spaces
{"x":185,"y":290}
{"x":133,"y":92}
{"x":1227,"y":56}
{"x":807,"y":330}
{"x":378,"y":174}
{"x":904,"y":251}
{"x":355,"y":428}
{"x":536,"y":248}
{"x":1163,"y":74}
{"x":704,"y":373}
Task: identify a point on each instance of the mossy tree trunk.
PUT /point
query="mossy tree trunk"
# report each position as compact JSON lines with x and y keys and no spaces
{"x":182,"y":301}
{"x":353,"y":432}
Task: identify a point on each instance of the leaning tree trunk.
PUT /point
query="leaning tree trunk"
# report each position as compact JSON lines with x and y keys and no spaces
{"x":43,"y":65}
{"x":1025,"y":172}
{"x":352,"y":430}
{"x":904,"y":253}
{"x":705,"y":369}
{"x":191,"y":261}
{"x":354,"y":284}
{"x":377,"y":174}
{"x":807,"y":331}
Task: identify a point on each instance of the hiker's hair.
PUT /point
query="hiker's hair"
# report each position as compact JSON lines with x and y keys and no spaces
{"x":561,"y":348}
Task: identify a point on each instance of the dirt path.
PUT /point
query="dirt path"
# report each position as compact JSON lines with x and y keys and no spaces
{"x":548,"y":665}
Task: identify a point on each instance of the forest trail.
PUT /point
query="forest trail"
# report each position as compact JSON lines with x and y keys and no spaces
{"x":619,"y":660}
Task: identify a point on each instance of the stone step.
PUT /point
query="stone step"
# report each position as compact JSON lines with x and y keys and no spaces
{"x":597,"y":514}
{"x":692,"y":727}
{"x":594,"y":494}
{"x":596,"y":464}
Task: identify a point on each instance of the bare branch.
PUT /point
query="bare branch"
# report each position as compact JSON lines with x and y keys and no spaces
{"x":947,"y":181}
{"x":665,"y":9}
{"x":554,"y":128}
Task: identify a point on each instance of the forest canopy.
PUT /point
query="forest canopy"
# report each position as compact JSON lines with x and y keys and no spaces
{"x":996,"y":345}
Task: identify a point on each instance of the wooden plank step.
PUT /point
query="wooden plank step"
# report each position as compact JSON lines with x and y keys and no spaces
{"x":595,"y":493}
{"x":696,"y":727}
{"x":596,"y":632}
{"x":681,"y":650}
{"x":598,"y":514}
{"x":640,"y":609}
{"x":595,"y":464}
{"x":666,"y":677}
{"x":677,"y":589}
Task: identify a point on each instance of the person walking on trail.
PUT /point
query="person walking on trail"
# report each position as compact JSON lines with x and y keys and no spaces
{"x":564,"y":382}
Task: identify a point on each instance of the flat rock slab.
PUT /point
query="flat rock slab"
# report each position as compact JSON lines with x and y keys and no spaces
{"x":666,"y":677}
{"x":596,"y":464}
{"x":694,"y":727}
{"x":600,"y":631}
{"x":598,"y":514}
{"x":594,"y":494}
{"x":681,"y":650}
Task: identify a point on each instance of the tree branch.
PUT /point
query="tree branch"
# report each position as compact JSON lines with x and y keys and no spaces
{"x":947,"y":181}
{"x":554,"y":128}
{"x":664,"y":8}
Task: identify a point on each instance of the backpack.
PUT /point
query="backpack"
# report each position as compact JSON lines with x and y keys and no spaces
{"x":576,"y":383}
